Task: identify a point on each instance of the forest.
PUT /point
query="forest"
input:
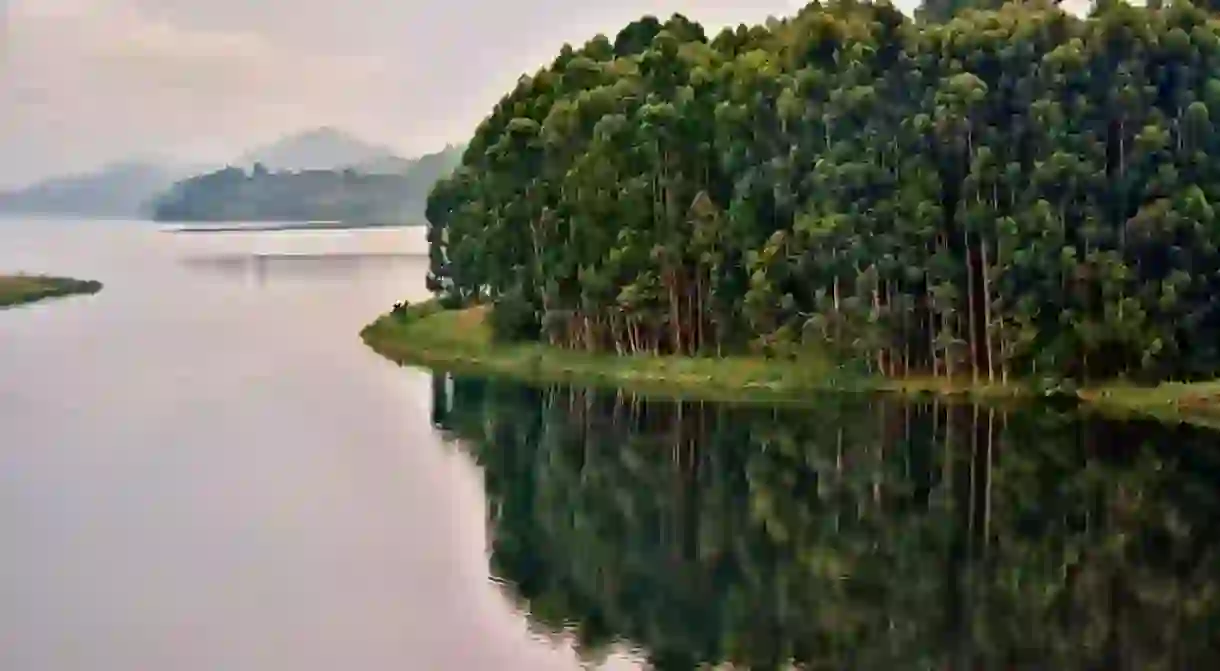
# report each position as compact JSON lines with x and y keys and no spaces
{"x":852,"y":533}
{"x":360,"y":194}
{"x":981,"y":191}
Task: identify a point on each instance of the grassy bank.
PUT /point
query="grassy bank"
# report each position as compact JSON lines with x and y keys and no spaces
{"x":1194,"y":403}
{"x":19,"y":289}
{"x":460,"y":341}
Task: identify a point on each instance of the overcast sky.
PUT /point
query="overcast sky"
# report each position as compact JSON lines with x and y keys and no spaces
{"x":84,"y":82}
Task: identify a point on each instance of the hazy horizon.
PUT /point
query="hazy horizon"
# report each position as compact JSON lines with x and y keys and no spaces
{"x":85,"y":83}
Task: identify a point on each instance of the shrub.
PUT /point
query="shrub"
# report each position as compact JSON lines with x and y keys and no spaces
{"x":512,"y":318}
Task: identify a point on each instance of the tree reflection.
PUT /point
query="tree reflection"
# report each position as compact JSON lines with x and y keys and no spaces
{"x":854,"y":532}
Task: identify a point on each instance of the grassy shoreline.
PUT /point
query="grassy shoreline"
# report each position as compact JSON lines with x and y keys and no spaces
{"x":459,"y":341}
{"x":1196,"y":403}
{"x":22,"y":289}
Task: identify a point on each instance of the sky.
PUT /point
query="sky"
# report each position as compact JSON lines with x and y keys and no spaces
{"x":86,"y":82}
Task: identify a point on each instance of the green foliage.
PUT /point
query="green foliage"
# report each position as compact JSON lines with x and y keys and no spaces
{"x":1014,"y":192}
{"x":427,"y":334}
{"x":943,"y":11}
{"x":512,"y":319}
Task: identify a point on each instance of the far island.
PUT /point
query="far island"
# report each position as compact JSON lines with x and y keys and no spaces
{"x":20,"y":289}
{"x":391,"y":194}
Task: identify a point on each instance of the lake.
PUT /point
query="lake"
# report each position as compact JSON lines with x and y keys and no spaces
{"x":202,"y":467}
{"x":854,"y":532}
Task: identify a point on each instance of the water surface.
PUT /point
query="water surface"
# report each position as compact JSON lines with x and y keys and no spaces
{"x":202,"y":468}
{"x":852,"y":533}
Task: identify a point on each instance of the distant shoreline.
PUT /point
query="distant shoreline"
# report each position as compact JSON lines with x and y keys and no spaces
{"x":22,"y":289}
{"x":279,"y":226}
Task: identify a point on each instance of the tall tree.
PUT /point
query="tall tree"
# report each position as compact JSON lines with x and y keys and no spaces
{"x":1014,"y":192}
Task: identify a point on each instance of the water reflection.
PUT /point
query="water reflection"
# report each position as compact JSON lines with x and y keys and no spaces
{"x":856,"y":533}
{"x":262,"y":267}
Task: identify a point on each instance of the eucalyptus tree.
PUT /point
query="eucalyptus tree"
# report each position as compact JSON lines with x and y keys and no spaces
{"x":1013,"y":192}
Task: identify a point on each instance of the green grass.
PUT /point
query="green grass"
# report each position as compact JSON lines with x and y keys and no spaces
{"x":19,"y":289}
{"x":963,"y":386}
{"x":1193,"y":403}
{"x":460,"y":341}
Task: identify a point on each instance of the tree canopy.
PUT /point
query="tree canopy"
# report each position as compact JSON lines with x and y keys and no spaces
{"x":1010,"y":192}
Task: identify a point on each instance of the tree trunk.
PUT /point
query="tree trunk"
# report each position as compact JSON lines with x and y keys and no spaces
{"x":970,"y":309}
{"x":891,"y":358}
{"x":932,"y":331}
{"x":838,"y":314}
{"x":701,"y":336}
{"x":616,"y":332}
{"x":987,"y":313}
{"x":879,"y":353}
{"x":675,"y":312}
{"x":906,"y":343}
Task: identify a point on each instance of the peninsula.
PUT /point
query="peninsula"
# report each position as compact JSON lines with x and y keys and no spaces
{"x":20,"y":289}
{"x":1001,"y":203}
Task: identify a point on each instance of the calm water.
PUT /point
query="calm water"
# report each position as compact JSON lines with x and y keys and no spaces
{"x":202,"y":468}
{"x":853,"y":534}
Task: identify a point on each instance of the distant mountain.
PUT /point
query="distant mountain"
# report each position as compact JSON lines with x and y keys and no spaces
{"x":385,"y":165}
{"x":431,"y":168}
{"x":323,"y":148}
{"x":118,"y":190}
{"x":427,"y":167}
{"x":129,"y":188}
{"x":380,"y":191}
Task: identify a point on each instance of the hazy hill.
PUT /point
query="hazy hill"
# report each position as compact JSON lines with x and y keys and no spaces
{"x":323,"y":148}
{"x":117,"y":190}
{"x":431,"y":167}
{"x":385,"y":165}
{"x":442,"y":162}
{"x":378,"y":192}
{"x":308,"y":184}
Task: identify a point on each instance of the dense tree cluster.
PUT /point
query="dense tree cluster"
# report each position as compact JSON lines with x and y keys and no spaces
{"x":857,"y":533}
{"x":1010,"y":192}
{"x":352,"y":195}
